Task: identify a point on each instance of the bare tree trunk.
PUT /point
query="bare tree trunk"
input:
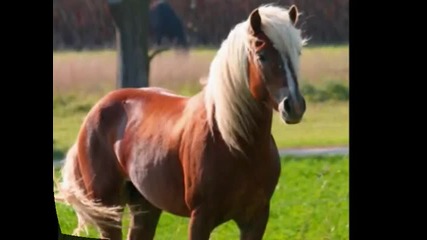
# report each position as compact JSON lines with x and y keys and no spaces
{"x":131,"y":20}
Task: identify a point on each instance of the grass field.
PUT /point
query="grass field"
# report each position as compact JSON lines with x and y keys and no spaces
{"x":310,"y":203}
{"x":80,"y":78}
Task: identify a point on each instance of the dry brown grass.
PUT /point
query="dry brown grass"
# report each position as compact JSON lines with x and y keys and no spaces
{"x":97,"y":71}
{"x":324,"y":64}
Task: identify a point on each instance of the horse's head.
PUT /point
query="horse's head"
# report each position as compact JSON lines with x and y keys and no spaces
{"x":275,"y":48}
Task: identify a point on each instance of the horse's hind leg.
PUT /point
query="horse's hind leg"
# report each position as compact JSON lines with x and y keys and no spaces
{"x":144,"y":217}
{"x":111,"y":193}
{"x":110,"y":230}
{"x":115,"y":196}
{"x":108,"y":187}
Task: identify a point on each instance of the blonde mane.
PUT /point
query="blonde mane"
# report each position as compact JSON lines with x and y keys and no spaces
{"x":227,"y":97}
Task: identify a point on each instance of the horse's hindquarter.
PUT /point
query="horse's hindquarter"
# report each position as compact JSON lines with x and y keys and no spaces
{"x":148,"y":149}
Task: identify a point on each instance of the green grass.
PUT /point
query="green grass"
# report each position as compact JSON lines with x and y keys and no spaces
{"x":310,"y":203}
{"x":325,"y":124}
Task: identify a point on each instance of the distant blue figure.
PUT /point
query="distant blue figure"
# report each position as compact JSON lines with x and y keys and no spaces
{"x":165,"y":23}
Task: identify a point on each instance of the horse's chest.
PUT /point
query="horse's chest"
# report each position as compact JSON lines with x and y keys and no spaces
{"x":252,"y":190}
{"x":248,"y":197}
{"x":257,"y":187}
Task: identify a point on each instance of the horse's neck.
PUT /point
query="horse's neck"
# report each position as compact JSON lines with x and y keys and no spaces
{"x":260,"y":132}
{"x":263,"y":123}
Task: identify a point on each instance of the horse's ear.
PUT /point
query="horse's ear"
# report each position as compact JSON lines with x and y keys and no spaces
{"x":293,"y":14}
{"x":255,"y":21}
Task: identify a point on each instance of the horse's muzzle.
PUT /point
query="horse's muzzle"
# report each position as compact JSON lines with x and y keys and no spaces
{"x":292,"y":110}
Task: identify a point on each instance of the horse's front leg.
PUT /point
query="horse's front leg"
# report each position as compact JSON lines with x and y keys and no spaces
{"x":254,"y":228}
{"x":201,"y":224}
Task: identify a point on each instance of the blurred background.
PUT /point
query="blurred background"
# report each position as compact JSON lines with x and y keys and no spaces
{"x":311,"y":198}
{"x":87,"y":24}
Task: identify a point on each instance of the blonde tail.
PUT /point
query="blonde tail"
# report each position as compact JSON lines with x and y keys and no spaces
{"x":71,"y":192}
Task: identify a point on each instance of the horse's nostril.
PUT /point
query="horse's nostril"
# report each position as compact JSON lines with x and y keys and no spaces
{"x":287,"y":105}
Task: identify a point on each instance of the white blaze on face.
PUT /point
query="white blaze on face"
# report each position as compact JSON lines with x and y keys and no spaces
{"x":289,"y":78}
{"x":291,"y":89}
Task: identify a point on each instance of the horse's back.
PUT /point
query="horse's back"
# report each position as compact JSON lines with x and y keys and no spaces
{"x":122,"y":106}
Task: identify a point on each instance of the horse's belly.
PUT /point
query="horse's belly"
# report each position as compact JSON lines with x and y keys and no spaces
{"x":161,"y":183}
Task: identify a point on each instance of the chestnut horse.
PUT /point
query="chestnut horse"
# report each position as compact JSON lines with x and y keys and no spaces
{"x":210,"y":157}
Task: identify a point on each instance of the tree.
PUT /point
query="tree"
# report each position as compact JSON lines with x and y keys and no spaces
{"x":131,"y":21}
